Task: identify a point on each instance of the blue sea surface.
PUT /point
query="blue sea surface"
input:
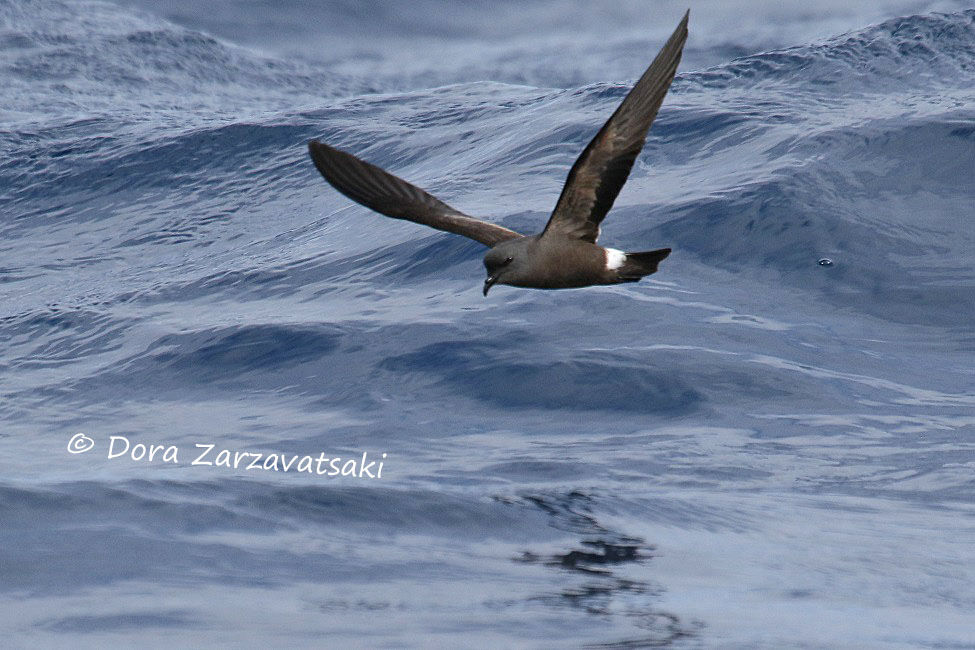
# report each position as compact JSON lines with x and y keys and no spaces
{"x":770,"y":443}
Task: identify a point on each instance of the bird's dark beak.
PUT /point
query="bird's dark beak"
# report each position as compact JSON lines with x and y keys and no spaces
{"x":492,"y":279}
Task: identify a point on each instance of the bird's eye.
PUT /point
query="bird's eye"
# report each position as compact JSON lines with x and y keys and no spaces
{"x":508,"y":260}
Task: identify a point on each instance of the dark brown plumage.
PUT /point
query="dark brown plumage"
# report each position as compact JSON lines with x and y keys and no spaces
{"x":564,"y":254}
{"x":379,"y":190}
{"x":601,"y":170}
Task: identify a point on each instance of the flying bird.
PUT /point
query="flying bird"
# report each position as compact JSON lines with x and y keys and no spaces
{"x":565,"y":254}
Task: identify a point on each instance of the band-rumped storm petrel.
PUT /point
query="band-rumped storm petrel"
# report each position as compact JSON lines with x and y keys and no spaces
{"x":564,"y":255}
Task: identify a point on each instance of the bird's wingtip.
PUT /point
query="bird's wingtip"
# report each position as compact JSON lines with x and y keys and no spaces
{"x":319,"y":150}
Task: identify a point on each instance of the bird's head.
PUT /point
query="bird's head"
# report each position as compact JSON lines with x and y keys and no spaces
{"x":506,"y":262}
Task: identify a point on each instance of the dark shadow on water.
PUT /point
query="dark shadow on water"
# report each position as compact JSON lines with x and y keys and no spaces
{"x":601,"y":591}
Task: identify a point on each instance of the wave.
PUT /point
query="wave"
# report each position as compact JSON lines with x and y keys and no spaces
{"x":173,"y":269}
{"x":920,"y":50}
{"x":93,"y":58}
{"x":853,"y":149}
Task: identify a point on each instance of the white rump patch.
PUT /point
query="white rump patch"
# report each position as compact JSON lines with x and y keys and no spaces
{"x":614,"y":258}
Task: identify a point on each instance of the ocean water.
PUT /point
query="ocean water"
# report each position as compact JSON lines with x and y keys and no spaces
{"x":754,"y":448}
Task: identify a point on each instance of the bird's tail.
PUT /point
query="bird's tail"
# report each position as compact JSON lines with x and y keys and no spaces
{"x":638,"y":265}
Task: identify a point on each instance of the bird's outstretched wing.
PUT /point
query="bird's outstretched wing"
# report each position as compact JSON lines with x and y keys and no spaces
{"x":381,"y":191}
{"x":598,"y":175}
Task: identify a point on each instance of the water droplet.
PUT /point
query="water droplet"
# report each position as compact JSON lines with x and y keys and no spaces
{"x":825,"y":261}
